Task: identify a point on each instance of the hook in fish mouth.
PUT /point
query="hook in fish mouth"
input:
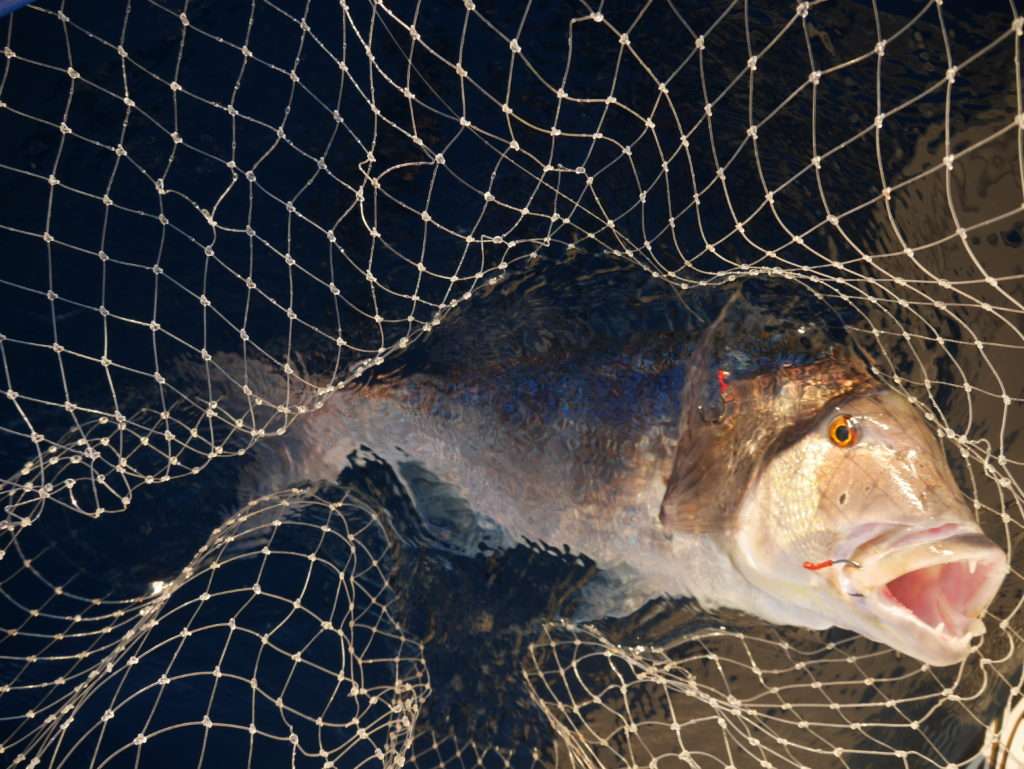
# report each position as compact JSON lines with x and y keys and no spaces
{"x":929,"y":584}
{"x":815,"y":566}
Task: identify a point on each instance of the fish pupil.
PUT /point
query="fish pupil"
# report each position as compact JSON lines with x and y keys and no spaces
{"x":842,"y":433}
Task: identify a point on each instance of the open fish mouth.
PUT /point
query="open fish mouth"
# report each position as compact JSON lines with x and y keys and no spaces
{"x":931,"y":585}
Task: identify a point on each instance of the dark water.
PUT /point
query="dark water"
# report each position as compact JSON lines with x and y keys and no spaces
{"x":475,"y":616}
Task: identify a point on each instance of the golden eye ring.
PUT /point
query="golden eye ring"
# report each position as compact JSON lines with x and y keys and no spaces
{"x":841,"y":432}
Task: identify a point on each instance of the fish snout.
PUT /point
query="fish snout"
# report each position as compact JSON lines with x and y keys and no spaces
{"x":925,"y":589}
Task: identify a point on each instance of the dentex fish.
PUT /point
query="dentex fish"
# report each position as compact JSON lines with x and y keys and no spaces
{"x":737,"y":451}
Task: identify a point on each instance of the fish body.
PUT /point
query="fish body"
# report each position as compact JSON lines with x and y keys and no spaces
{"x":699,"y":458}
{"x":560,"y":427}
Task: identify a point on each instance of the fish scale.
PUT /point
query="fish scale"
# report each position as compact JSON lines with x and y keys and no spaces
{"x":685,"y":457}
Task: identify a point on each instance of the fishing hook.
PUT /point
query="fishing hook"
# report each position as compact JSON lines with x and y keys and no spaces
{"x":815,"y":566}
{"x":723,"y":384}
{"x":812,"y":566}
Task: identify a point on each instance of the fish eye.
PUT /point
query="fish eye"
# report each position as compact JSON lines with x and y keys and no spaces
{"x":841,"y":432}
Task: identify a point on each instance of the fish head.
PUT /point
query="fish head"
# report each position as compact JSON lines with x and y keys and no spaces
{"x":828,"y":492}
{"x":857,"y":520}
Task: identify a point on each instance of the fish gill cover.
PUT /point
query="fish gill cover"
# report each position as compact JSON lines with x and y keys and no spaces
{"x":215,"y":214}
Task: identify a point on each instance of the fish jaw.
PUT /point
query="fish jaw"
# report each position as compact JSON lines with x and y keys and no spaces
{"x":922,"y":590}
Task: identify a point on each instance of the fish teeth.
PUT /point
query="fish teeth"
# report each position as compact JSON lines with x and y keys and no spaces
{"x":940,"y":628}
{"x":972,"y":565}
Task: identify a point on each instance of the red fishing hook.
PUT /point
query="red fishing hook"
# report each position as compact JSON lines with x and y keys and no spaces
{"x":812,"y":566}
{"x":723,"y":384}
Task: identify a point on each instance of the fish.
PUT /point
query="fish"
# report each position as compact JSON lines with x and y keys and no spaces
{"x":737,"y":451}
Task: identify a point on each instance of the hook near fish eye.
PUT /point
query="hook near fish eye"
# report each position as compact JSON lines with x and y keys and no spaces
{"x":723,"y":383}
{"x":713,"y":410}
{"x":841,"y":432}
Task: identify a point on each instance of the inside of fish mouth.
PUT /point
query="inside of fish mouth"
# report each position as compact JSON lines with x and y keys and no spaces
{"x":945,"y":596}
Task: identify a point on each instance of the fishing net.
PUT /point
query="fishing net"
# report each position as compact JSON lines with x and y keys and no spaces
{"x":215,"y":214}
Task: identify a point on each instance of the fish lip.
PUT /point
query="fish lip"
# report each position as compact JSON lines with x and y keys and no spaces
{"x":889,"y":554}
{"x":947,"y":545}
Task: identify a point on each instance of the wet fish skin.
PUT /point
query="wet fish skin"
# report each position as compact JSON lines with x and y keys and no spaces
{"x":692,"y":457}
{"x":912,"y":568}
{"x":890,"y":505}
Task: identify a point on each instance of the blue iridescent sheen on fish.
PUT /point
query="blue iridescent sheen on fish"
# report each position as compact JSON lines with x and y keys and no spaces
{"x":726,"y":444}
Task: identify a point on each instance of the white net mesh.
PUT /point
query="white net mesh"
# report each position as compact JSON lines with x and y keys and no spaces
{"x":304,"y":188}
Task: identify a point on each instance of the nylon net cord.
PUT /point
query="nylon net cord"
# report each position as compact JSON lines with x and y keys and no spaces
{"x":217,"y":215}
